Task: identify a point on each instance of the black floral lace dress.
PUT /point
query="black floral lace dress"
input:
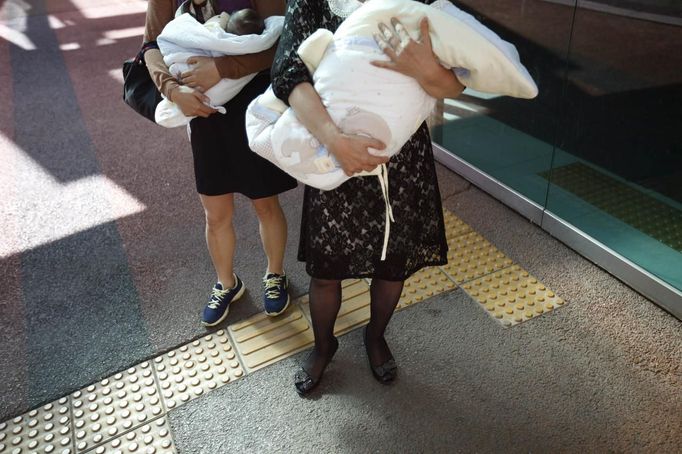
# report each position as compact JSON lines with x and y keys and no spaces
{"x":342,"y":230}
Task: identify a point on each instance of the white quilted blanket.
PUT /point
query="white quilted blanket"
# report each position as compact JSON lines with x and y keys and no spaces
{"x":184,"y":37}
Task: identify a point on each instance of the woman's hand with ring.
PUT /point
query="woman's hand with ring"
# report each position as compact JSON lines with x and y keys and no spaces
{"x":407,"y":56}
{"x":203,"y":75}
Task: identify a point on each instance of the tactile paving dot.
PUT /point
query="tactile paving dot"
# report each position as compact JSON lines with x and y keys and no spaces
{"x":43,"y":430}
{"x":471,"y":256}
{"x":152,"y":438}
{"x":512,"y":296}
{"x":197,"y":368}
{"x":115,"y":405}
{"x":454,"y":226}
{"x":262,"y":340}
{"x":424,"y":284}
{"x":354,"y":309}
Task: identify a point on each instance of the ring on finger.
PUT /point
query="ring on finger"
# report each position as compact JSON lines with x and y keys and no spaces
{"x":402,"y":34}
{"x":386,"y":31}
{"x":380,"y":41}
{"x":395,"y":44}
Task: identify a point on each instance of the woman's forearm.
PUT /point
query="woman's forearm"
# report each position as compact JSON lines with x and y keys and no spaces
{"x":350,"y":151}
{"x":159,"y":73}
{"x":442,"y":83}
{"x":311,"y":113}
{"x":238,"y":66}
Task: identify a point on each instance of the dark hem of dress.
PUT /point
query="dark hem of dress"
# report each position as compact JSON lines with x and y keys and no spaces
{"x":374,"y":275}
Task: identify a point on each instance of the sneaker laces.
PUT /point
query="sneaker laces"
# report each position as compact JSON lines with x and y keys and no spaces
{"x":272,"y":285}
{"x":216,"y":297}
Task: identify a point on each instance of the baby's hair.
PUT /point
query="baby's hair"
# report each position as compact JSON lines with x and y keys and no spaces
{"x":245,"y":22}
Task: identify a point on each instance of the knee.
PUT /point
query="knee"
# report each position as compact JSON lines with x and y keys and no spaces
{"x":325,"y":284}
{"x":267,"y":208}
{"x":217,"y":219}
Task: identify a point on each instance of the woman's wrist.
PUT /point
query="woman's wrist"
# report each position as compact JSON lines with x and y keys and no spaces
{"x":441,"y":83}
{"x":328,"y":134}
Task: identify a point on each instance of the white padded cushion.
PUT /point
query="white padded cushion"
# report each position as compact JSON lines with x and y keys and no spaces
{"x":486,"y":62}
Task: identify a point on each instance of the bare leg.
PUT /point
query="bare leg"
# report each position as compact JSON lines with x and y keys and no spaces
{"x":273,"y":231}
{"x":220,"y":236}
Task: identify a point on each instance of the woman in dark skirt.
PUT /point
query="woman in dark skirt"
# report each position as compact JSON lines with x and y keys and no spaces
{"x":223,"y":162}
{"x":342,"y":230}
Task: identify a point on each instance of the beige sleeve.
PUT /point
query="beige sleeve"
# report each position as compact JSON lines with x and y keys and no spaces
{"x":159,"y":73}
{"x":238,"y":66}
{"x":159,"y":13}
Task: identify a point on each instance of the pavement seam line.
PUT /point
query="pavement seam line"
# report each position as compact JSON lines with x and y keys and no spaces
{"x":122,"y":435}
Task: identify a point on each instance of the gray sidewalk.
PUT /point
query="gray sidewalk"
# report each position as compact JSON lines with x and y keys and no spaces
{"x":600,"y":374}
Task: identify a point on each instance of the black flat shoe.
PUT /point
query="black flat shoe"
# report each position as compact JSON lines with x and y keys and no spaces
{"x":304,"y":382}
{"x":386,"y":372}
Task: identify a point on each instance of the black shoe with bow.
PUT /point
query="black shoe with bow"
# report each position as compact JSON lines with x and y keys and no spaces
{"x":305,"y":379}
{"x":386,"y":372}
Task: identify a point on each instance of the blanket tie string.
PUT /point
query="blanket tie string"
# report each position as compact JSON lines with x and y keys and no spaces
{"x":383,"y":182}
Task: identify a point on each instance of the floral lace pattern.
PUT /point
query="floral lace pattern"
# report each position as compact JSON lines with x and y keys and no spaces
{"x":342,"y":230}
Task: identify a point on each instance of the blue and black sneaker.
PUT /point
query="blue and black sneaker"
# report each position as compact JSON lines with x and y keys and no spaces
{"x":276,"y":297}
{"x":219,"y":305}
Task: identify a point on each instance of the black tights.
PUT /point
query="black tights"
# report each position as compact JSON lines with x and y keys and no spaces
{"x":325,"y":301}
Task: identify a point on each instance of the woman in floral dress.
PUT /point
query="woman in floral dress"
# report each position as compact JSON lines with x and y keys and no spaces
{"x":342,"y":230}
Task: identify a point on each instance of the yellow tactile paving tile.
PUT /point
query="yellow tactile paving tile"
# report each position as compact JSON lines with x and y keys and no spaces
{"x":196,"y":368}
{"x":424,"y":284}
{"x":262,"y":340}
{"x":47,"y":429}
{"x":115,"y":405}
{"x":152,"y":438}
{"x":454,"y":226}
{"x":512,"y":295}
{"x":354,"y":310}
{"x":471,"y":256}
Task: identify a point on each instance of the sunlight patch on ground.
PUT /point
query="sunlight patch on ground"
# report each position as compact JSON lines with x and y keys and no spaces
{"x":117,"y":75}
{"x":16,"y":37}
{"x":121,"y":8}
{"x":124,"y":33}
{"x":36,"y":209}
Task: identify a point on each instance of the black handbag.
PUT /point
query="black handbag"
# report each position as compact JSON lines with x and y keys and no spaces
{"x":139,"y":91}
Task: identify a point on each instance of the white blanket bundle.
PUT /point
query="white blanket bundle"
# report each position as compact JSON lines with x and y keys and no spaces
{"x":185,"y":37}
{"x":366,"y":100}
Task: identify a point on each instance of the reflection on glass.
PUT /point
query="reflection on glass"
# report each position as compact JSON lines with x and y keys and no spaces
{"x":617,"y":171}
{"x":601,"y":146}
{"x":512,"y":139}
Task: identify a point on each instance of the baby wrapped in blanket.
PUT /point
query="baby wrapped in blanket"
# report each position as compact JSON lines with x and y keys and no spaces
{"x":242,"y":32}
{"x":366,"y":100}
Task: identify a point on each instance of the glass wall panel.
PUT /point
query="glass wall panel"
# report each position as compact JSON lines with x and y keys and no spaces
{"x":617,"y":169}
{"x":512,"y":139}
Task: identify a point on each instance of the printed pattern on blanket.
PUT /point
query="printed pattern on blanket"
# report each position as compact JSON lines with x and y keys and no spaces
{"x":365,"y":100}
{"x":184,"y":37}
